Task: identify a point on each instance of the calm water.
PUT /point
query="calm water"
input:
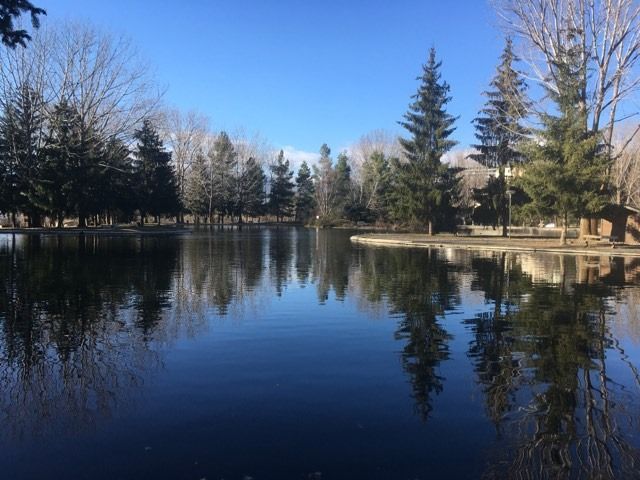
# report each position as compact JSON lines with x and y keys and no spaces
{"x":289,"y":353}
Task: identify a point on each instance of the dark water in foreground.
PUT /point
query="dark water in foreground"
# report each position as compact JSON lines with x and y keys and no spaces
{"x":286,"y":353}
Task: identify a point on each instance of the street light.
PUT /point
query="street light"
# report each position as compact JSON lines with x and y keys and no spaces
{"x":509,"y":194}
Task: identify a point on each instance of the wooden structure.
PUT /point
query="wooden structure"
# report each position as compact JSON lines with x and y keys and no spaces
{"x":621,"y":222}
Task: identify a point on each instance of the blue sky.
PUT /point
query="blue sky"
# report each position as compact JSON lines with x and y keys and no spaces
{"x":303,"y":73}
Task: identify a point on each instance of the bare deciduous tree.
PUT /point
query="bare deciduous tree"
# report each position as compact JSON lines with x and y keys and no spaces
{"x":603,"y":34}
{"x":102,"y":77}
{"x":186,"y":135}
{"x":625,"y":171}
{"x":367,"y":171}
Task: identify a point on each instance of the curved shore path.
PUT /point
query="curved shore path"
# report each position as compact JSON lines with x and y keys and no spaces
{"x":515,"y":244}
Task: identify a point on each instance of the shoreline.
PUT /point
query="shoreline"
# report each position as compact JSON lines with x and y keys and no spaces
{"x":99,"y":231}
{"x":514,"y":244}
{"x":133,"y":230}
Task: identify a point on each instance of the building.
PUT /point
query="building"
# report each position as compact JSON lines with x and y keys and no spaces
{"x":621,"y":222}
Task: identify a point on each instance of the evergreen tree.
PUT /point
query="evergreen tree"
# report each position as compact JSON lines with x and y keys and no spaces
{"x":499,"y":130}
{"x":117,"y":192}
{"x":343,"y":183}
{"x":57,"y":188}
{"x":157,"y":186}
{"x":223,"y":161}
{"x":11,"y":10}
{"x":421,"y":182}
{"x":281,"y":194}
{"x":21,"y":133}
{"x":304,"y":203}
{"x":86,"y":181}
{"x":568,"y":171}
{"x":250,"y":190}
{"x":325,"y":185}
{"x":197,"y":187}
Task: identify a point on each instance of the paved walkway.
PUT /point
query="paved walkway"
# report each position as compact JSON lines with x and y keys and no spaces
{"x":517,"y":244}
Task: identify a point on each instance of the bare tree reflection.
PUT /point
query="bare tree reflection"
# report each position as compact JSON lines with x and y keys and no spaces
{"x":541,"y":357}
{"x":72,"y":346}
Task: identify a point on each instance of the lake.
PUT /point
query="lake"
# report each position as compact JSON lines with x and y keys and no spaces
{"x":277,"y":353}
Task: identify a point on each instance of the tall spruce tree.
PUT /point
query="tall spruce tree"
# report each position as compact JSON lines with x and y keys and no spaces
{"x":222,"y":164}
{"x":281,"y":193}
{"x":157,"y":186}
{"x":421,"y":183}
{"x":117,"y":192}
{"x":21,"y":138}
{"x":304,"y":203}
{"x":12,"y":10}
{"x":197,"y":187}
{"x":249,"y":190}
{"x":343,"y":183}
{"x":499,"y":130}
{"x":569,"y":167}
{"x":57,"y":189}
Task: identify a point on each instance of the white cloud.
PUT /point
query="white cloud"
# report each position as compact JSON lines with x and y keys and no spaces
{"x":296,"y":157}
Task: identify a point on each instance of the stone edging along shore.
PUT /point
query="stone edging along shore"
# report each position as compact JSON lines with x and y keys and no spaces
{"x":493,"y":243}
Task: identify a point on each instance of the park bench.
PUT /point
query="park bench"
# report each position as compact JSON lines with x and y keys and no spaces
{"x":610,"y":239}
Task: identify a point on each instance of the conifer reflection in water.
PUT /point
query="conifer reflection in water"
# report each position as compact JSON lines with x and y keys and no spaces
{"x":541,"y":358}
{"x":86,"y":324}
{"x":80,"y":317}
{"x":540,"y":352}
{"x":420,"y":287}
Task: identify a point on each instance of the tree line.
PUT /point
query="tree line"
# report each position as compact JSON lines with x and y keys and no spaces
{"x":82,"y":136}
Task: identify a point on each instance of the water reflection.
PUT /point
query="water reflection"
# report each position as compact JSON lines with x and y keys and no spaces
{"x":419,"y":287}
{"x":76,"y":318}
{"x":86,"y":323}
{"x":541,"y":356}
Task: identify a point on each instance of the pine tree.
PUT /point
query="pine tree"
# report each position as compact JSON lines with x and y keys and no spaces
{"x":57,"y":187}
{"x":281,"y":193}
{"x":10,"y":11}
{"x":157,"y":192}
{"x":250,"y":190}
{"x":85,"y":179}
{"x":117,"y":193}
{"x":499,"y":130}
{"x":343,"y":183}
{"x":421,"y":181}
{"x":197,"y":187}
{"x":222,"y":165}
{"x":304,"y":203}
{"x":21,"y":133}
{"x":568,"y":171}
{"x":325,"y":185}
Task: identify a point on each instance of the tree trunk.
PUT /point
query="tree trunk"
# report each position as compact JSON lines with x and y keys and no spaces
{"x":585,"y":227}
{"x":565,"y":227}
{"x":430,"y":227}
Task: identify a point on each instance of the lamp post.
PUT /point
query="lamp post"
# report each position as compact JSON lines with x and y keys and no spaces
{"x":509,"y":194}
